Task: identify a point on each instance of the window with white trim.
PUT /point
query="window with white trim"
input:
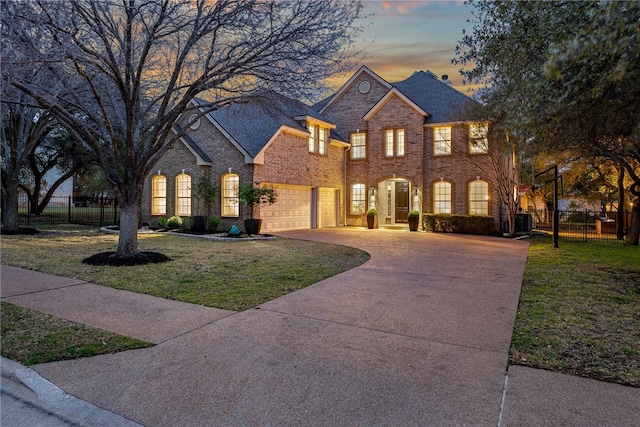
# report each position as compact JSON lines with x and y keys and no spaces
{"x":183,"y":195}
{"x":442,"y":197}
{"x":394,"y":143}
{"x":159,"y":195}
{"x":230,"y":200}
{"x":442,"y":141}
{"x":358,"y":199}
{"x":478,"y":197}
{"x":318,"y":139}
{"x":478,"y":143}
{"x":358,"y":146}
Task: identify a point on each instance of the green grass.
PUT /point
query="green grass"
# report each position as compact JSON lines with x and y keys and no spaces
{"x":30,"y":337}
{"x":229,"y":275}
{"x":579,"y":311}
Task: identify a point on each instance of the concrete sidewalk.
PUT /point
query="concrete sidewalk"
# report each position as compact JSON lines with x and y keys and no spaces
{"x":419,"y":335}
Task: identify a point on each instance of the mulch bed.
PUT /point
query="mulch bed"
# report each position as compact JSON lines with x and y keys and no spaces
{"x":109,"y":258}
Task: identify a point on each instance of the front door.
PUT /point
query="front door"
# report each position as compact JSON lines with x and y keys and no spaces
{"x":402,"y":202}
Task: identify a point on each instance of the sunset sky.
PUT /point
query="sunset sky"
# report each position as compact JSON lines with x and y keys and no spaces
{"x":401,"y":37}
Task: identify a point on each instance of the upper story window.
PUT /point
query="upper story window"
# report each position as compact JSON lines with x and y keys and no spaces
{"x":442,"y":141}
{"x":183,"y":195}
{"x":358,"y":146}
{"x":442,"y":197}
{"x":478,"y":142}
{"x":478,"y":197}
{"x":230,"y":200}
{"x":394,"y":143}
{"x":159,"y":195}
{"x":318,"y":139}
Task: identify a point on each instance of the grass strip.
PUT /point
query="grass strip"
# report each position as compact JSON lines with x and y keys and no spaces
{"x":30,"y":337}
{"x":579,"y":310}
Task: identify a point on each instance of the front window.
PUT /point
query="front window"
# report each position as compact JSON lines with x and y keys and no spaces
{"x":183,"y":195}
{"x":230,"y":201}
{"x":442,"y":197}
{"x":358,"y":146}
{"x":394,"y":143}
{"x":478,"y":138}
{"x":159,"y":195}
{"x":442,"y":141}
{"x":478,"y":197}
{"x":358,"y":199}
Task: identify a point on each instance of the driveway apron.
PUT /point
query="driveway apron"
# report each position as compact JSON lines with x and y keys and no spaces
{"x":418,"y":335}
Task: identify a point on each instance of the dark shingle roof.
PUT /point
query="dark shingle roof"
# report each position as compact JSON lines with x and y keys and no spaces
{"x":189,"y":141}
{"x":443,"y":102}
{"x":253,"y":123}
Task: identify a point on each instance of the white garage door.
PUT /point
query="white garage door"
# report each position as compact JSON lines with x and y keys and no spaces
{"x":291,"y":211}
{"x":328,"y":208}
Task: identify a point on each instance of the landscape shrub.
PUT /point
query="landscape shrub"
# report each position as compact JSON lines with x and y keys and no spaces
{"x":174,"y":222}
{"x":465,"y":224}
{"x":214,"y":222}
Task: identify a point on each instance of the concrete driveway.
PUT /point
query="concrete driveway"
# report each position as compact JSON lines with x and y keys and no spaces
{"x":419,"y":335}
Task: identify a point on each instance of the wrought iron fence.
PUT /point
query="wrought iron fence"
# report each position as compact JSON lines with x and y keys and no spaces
{"x":576,"y":225}
{"x":65,"y":210}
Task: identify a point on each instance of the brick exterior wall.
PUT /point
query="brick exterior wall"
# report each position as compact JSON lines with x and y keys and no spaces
{"x":459,"y":169}
{"x":288,"y":161}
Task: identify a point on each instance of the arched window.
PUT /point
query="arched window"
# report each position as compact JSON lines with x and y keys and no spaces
{"x":358,"y":199}
{"x":230,"y":202}
{"x":442,"y":197}
{"x":159,"y":195}
{"x":183,"y":195}
{"x":478,"y":197}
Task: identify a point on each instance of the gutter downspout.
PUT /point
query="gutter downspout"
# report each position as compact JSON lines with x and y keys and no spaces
{"x":344,"y":209}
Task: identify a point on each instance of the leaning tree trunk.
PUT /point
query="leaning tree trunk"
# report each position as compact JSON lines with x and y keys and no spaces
{"x":633,"y":234}
{"x":128,"y":240}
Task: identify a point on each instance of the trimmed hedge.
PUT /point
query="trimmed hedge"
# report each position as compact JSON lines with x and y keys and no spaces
{"x":465,"y":224}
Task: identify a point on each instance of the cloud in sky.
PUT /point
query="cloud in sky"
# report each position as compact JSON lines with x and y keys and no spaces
{"x":401,"y":37}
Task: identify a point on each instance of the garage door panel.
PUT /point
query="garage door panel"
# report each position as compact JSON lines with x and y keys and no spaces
{"x":292,"y":210}
{"x":328,"y":209}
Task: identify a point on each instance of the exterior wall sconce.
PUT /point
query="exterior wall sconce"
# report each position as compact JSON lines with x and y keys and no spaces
{"x":159,"y":172}
{"x":230,"y":169}
{"x":183,"y":171}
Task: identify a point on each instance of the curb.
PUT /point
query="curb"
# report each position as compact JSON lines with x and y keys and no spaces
{"x":44,"y":397}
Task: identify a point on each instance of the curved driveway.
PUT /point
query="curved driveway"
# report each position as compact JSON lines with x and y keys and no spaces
{"x":419,"y":335}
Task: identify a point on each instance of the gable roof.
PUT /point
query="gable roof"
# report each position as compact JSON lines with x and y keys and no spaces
{"x":440,"y":100}
{"x":201,"y":157}
{"x":322,"y":105}
{"x":386,"y":98}
{"x":253,"y":124}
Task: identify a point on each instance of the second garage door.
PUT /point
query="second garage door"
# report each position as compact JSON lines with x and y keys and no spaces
{"x":291,"y":211}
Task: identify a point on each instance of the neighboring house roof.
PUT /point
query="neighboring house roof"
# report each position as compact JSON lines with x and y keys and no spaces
{"x":253,"y":124}
{"x":440,"y":100}
{"x":201,"y":157}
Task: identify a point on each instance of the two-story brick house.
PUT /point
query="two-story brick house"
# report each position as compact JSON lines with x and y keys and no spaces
{"x":393,"y":146}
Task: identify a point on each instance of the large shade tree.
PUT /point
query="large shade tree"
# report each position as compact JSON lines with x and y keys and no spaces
{"x":140,"y":63}
{"x":562,"y":77}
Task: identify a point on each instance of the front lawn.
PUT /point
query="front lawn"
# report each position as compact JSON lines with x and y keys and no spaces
{"x":233,"y":275}
{"x":579,"y":310}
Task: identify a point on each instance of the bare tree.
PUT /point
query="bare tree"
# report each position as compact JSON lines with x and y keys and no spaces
{"x":132,"y":67}
{"x":24,"y":127}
